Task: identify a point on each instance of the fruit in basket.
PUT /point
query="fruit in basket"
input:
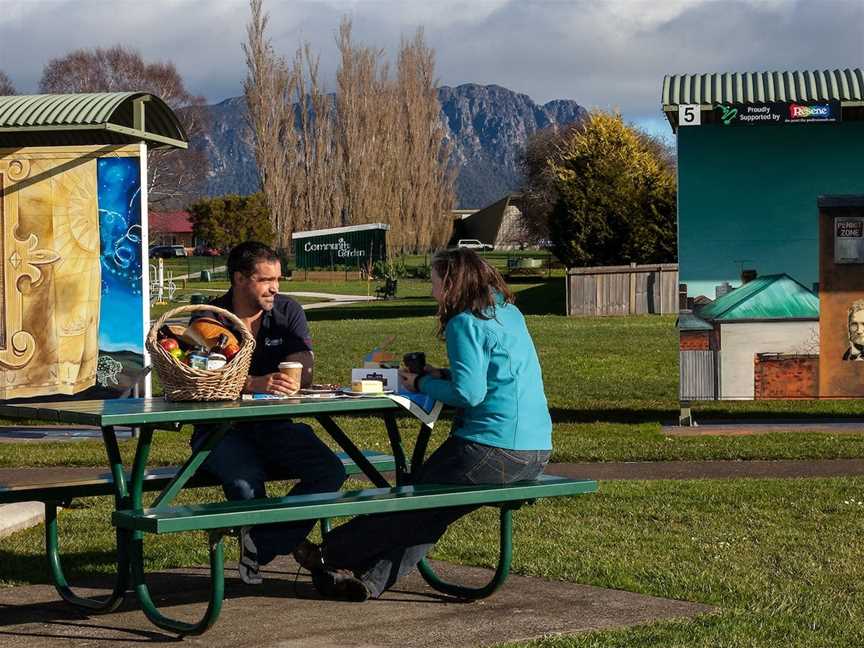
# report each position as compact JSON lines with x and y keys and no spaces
{"x":169,"y":344}
{"x":178,"y":353}
{"x":230,"y":351}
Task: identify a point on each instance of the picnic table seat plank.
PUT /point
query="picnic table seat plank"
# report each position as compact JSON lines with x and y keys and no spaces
{"x":92,"y":482}
{"x":234,"y":514}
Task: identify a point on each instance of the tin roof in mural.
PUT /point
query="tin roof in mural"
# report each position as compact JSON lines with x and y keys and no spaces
{"x":92,"y":118}
{"x":690,"y":322}
{"x":772,"y":297}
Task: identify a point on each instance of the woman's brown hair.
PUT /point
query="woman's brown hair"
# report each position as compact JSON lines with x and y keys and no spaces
{"x":468,"y":283}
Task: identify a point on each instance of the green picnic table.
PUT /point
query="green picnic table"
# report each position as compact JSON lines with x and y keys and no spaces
{"x":222,"y":518}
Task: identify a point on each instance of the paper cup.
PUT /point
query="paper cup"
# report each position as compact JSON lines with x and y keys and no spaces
{"x":292,"y":369}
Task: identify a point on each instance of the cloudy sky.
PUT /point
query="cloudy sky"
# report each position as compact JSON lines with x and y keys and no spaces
{"x":602,"y":53}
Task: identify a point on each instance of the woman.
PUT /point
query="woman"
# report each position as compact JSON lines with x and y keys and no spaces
{"x":502,"y":431}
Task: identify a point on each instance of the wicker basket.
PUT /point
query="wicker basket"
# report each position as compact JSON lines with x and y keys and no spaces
{"x":181,"y":382}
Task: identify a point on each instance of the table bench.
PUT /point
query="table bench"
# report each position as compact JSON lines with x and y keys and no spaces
{"x":218,"y":519}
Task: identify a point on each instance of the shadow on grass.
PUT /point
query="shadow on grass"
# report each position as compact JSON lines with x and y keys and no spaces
{"x":392,"y":309}
{"x":669,"y":416}
{"x":547,"y":298}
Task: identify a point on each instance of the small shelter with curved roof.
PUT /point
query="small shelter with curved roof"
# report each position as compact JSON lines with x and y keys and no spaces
{"x":87,"y":119}
{"x":74,"y":303}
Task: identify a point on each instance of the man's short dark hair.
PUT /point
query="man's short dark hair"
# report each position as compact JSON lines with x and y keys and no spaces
{"x":244,"y":257}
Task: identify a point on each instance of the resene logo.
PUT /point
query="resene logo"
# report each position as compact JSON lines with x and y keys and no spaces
{"x":815,"y":111}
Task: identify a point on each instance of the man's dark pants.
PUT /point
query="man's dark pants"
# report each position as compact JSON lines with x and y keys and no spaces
{"x":252,"y":453}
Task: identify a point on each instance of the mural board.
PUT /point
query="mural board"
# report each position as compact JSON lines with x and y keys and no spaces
{"x":72,"y":322}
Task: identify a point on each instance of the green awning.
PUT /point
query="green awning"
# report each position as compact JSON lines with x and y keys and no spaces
{"x":846,"y":86}
{"x":92,"y":118}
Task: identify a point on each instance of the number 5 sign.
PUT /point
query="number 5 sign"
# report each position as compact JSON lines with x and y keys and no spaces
{"x":689,"y":115}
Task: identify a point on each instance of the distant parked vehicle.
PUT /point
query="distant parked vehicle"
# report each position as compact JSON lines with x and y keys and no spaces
{"x":167,"y":251}
{"x":206,"y":250}
{"x":474,"y":244}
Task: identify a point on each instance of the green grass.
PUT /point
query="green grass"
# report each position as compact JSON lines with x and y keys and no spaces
{"x":779,"y":558}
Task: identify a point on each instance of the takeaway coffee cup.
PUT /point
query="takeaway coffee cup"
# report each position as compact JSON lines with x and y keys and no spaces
{"x":415,"y":362}
{"x":292,"y":369}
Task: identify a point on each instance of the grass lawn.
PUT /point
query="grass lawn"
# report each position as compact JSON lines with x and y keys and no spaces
{"x":781,"y":559}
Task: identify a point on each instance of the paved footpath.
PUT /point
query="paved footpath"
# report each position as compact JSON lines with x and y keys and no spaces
{"x":285,"y":612}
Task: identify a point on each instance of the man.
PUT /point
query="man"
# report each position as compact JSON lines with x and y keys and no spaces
{"x":856,"y":332}
{"x":250,"y":453}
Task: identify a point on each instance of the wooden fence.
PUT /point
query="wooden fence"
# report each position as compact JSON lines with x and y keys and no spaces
{"x":623,"y":290}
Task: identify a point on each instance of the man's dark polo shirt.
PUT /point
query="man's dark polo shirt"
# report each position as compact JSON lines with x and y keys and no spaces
{"x":283,"y":330}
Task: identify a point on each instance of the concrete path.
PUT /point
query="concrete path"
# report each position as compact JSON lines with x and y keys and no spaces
{"x":773,"y":426}
{"x":286,"y":612}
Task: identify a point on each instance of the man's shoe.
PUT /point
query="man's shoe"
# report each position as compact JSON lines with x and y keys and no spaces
{"x":248,"y":567}
{"x":308,"y":556}
{"x":340,"y":584}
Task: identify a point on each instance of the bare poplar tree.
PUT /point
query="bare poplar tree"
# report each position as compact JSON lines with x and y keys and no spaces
{"x":319,"y":154}
{"x":268,"y":88}
{"x":426,"y":191}
{"x":361,"y":88}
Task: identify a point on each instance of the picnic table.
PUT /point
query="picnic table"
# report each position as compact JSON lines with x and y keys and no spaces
{"x":222,"y":518}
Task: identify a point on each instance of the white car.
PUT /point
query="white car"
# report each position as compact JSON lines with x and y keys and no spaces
{"x":474,"y":244}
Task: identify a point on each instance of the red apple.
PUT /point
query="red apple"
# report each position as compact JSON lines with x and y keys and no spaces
{"x":169,"y":344}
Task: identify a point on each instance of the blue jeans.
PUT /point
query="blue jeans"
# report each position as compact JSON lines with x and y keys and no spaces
{"x":380,"y":549}
{"x":250,"y":454}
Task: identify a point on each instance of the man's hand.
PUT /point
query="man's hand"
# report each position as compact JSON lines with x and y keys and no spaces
{"x":274,"y":383}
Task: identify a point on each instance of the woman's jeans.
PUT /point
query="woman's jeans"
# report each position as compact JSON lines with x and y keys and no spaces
{"x":251,"y":454}
{"x":383,"y":548}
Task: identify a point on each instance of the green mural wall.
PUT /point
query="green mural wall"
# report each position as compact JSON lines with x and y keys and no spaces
{"x":747,"y":198}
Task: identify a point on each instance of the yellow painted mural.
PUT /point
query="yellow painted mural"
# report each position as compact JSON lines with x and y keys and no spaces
{"x":51,"y":274}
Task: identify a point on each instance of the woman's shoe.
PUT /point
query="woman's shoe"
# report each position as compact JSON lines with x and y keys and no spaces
{"x":340,"y":584}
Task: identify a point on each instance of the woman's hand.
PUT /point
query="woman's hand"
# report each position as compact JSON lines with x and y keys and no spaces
{"x":407,"y":379}
{"x":274,"y":383}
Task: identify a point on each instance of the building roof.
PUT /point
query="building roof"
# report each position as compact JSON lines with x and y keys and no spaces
{"x":175,"y":222}
{"x":689,"y":322}
{"x":707,"y":90}
{"x":772,"y":297}
{"x":846,"y":86}
{"x":91,"y":118}
{"x":341,"y":230}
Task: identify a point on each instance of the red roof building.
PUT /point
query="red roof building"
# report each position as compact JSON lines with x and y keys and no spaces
{"x":171,"y":228}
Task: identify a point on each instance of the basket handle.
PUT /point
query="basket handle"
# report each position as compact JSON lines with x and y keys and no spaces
{"x":245,"y":334}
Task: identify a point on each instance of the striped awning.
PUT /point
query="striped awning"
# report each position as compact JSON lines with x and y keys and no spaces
{"x":846,"y":86}
{"x":92,"y":118}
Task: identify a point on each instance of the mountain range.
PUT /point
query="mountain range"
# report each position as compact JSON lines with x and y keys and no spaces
{"x":487,"y":124}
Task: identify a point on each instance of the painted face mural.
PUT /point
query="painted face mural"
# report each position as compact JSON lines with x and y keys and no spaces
{"x":856,"y":332}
